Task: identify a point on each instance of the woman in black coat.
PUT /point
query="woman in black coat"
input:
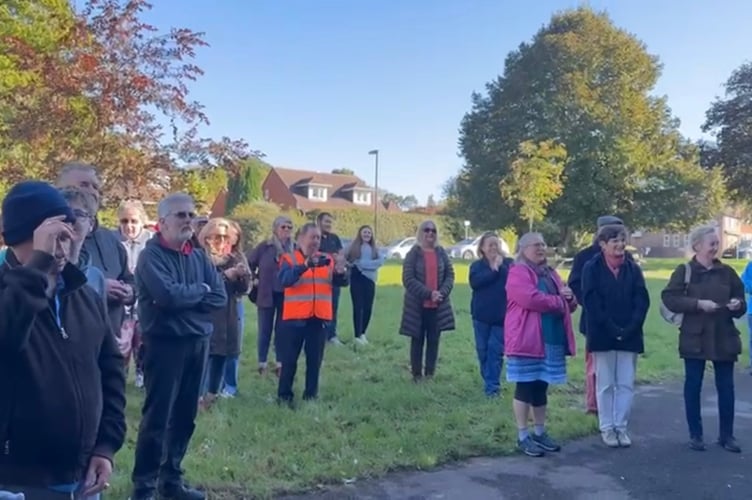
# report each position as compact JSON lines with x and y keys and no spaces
{"x":428,"y":278}
{"x":617,"y":303}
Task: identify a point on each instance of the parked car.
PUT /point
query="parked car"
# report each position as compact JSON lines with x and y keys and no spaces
{"x":468,"y":249}
{"x":398,"y":249}
{"x":743,"y":251}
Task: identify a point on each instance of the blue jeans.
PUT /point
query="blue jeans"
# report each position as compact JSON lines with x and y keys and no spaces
{"x":331,"y":326}
{"x":749,"y":324}
{"x":489,"y":343}
{"x":694,"y":371}
{"x":233,"y":362}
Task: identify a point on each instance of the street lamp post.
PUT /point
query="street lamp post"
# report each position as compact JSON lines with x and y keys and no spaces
{"x":375,"y":154}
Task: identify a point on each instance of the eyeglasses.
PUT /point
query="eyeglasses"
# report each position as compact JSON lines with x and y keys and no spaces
{"x":81,"y":214}
{"x":429,"y":230}
{"x":218,"y":237}
{"x":129,"y":221}
{"x":286,"y":226}
{"x":184,"y":215}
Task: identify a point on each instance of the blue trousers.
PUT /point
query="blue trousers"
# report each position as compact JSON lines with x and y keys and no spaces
{"x":694,"y":371}
{"x":489,"y":344}
{"x":233,"y":362}
{"x":331,"y":326}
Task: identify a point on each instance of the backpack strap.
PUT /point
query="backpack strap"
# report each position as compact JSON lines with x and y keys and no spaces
{"x":687,"y":274}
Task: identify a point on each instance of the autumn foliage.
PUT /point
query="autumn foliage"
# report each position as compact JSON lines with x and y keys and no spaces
{"x":102,"y":86}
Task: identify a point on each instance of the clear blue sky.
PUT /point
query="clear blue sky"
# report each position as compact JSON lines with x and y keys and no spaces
{"x":317,"y":84}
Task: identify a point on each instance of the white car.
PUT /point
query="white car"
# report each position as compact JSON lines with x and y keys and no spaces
{"x":398,"y":249}
{"x":468,"y":248}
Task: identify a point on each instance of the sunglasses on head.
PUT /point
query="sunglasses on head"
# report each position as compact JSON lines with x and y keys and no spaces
{"x":429,"y":230}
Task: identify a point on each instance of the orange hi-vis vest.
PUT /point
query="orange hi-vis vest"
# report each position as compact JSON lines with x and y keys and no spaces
{"x":311,"y":296}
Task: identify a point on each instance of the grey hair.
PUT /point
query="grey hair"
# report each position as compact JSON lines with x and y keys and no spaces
{"x":305,"y":229}
{"x":420,"y":233}
{"x":279,"y":221}
{"x":76,"y":166}
{"x":698,"y":234}
{"x":525,"y":241}
{"x":133,"y":205}
{"x":84,"y":198}
{"x":165,"y":206}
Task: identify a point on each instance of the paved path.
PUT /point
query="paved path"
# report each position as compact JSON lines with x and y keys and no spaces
{"x":658,"y":466}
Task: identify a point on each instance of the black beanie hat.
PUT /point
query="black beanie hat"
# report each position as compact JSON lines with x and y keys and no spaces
{"x":27,"y":205}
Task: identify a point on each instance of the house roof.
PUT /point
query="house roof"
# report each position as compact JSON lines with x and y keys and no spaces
{"x":338,"y":184}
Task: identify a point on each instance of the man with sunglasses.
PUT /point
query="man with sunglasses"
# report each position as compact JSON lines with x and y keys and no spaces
{"x":178,"y":290}
{"x":104,"y":248}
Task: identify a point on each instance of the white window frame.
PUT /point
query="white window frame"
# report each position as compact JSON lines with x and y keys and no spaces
{"x":317,"y":193}
{"x":676,"y":240}
{"x":666,"y":240}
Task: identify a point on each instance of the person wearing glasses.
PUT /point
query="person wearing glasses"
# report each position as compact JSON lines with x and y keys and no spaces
{"x":179,"y":290}
{"x":133,"y":234}
{"x":106,"y":252}
{"x":269,"y":293}
{"x":428,"y":278}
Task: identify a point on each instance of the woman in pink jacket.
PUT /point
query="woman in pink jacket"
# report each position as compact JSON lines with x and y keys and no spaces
{"x":538,"y":336}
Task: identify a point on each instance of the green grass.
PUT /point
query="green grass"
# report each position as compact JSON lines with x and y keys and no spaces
{"x":371,"y":418}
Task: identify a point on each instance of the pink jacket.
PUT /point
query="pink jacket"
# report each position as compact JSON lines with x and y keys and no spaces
{"x":523,"y":334}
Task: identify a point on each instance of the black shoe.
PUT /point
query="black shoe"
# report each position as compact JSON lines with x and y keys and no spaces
{"x":697,"y":444}
{"x":729,"y":444}
{"x":182,"y":493}
{"x":530,"y":447}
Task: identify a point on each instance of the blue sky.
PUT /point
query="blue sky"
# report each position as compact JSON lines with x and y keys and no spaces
{"x":317,"y":84}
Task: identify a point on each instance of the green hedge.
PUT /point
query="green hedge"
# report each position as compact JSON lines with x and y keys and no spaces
{"x":256,"y":220}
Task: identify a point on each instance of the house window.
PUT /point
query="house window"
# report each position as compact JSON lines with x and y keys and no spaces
{"x":677,"y":240}
{"x":666,"y":240}
{"x":686,"y":241}
{"x":362,"y":198}
{"x":317,"y":193}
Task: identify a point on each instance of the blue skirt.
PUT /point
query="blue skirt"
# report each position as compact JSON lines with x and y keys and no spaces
{"x":552,"y":368}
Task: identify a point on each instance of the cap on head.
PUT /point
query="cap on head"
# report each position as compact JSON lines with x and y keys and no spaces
{"x":27,"y":205}
{"x":609,"y":220}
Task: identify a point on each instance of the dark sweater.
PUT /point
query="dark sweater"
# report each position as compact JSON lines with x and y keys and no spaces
{"x":575,"y":277}
{"x":616,"y":305}
{"x":172,"y":298}
{"x":489,"y":299}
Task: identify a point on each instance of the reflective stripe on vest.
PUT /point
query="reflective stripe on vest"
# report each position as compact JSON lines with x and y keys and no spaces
{"x":311,"y":295}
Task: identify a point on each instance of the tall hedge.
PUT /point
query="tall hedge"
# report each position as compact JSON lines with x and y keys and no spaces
{"x":256,"y":220}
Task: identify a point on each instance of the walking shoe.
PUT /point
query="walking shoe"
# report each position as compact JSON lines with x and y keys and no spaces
{"x":530,"y":447}
{"x":361,"y":340}
{"x":226,"y":394}
{"x":139,"y":382}
{"x":730,"y":444}
{"x":335,"y":341}
{"x":182,"y":493}
{"x":697,"y":444}
{"x":545,"y":442}
{"x":610,"y":438}
{"x":262,"y":369}
{"x":624,"y":440}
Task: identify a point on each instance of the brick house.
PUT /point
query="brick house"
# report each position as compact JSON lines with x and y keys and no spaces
{"x":308,"y":191}
{"x":732,"y":229}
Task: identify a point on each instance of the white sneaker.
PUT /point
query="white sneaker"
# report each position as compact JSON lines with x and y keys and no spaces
{"x":610,"y":438}
{"x":139,"y":383}
{"x":624,"y":440}
{"x":335,"y":341}
{"x":361,"y":340}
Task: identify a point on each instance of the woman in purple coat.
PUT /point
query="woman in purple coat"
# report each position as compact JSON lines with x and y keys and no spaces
{"x":263,"y":261}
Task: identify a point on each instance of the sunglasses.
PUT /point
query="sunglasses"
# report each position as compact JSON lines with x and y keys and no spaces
{"x":129,"y":221}
{"x":429,"y":230}
{"x":286,"y":226}
{"x":185,"y":215}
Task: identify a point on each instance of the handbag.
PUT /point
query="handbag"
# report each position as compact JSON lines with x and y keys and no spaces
{"x":669,"y":316}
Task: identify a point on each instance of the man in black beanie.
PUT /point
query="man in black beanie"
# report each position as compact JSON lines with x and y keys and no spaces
{"x":62,"y":385}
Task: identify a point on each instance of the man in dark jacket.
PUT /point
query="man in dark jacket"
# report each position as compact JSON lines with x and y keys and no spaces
{"x":332,"y":245}
{"x":62,"y":386}
{"x":178,"y":288}
{"x":103,"y":247}
{"x":575,"y":283}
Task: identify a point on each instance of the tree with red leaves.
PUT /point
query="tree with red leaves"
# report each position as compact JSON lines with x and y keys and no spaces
{"x":96,"y":86}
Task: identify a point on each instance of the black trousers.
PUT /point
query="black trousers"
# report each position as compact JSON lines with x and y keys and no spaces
{"x":362,"y":292}
{"x":293,"y":337}
{"x":429,"y":337}
{"x":173,"y":368}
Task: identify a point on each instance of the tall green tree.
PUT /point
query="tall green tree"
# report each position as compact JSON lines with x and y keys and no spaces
{"x":246,"y":185}
{"x":534,"y":179}
{"x":587,"y":85}
{"x":729,"y":119}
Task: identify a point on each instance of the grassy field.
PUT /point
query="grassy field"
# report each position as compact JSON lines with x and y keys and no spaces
{"x":371,"y":418}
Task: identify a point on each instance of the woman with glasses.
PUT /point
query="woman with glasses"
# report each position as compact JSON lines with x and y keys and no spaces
{"x":269,"y":293}
{"x":225,"y":339}
{"x":428,"y":278}
{"x":538,"y":337}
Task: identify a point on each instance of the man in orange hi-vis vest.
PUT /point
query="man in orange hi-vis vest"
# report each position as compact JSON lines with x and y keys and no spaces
{"x":308,"y":278}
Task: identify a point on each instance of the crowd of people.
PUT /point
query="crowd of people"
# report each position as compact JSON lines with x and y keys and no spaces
{"x":78,"y":301}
